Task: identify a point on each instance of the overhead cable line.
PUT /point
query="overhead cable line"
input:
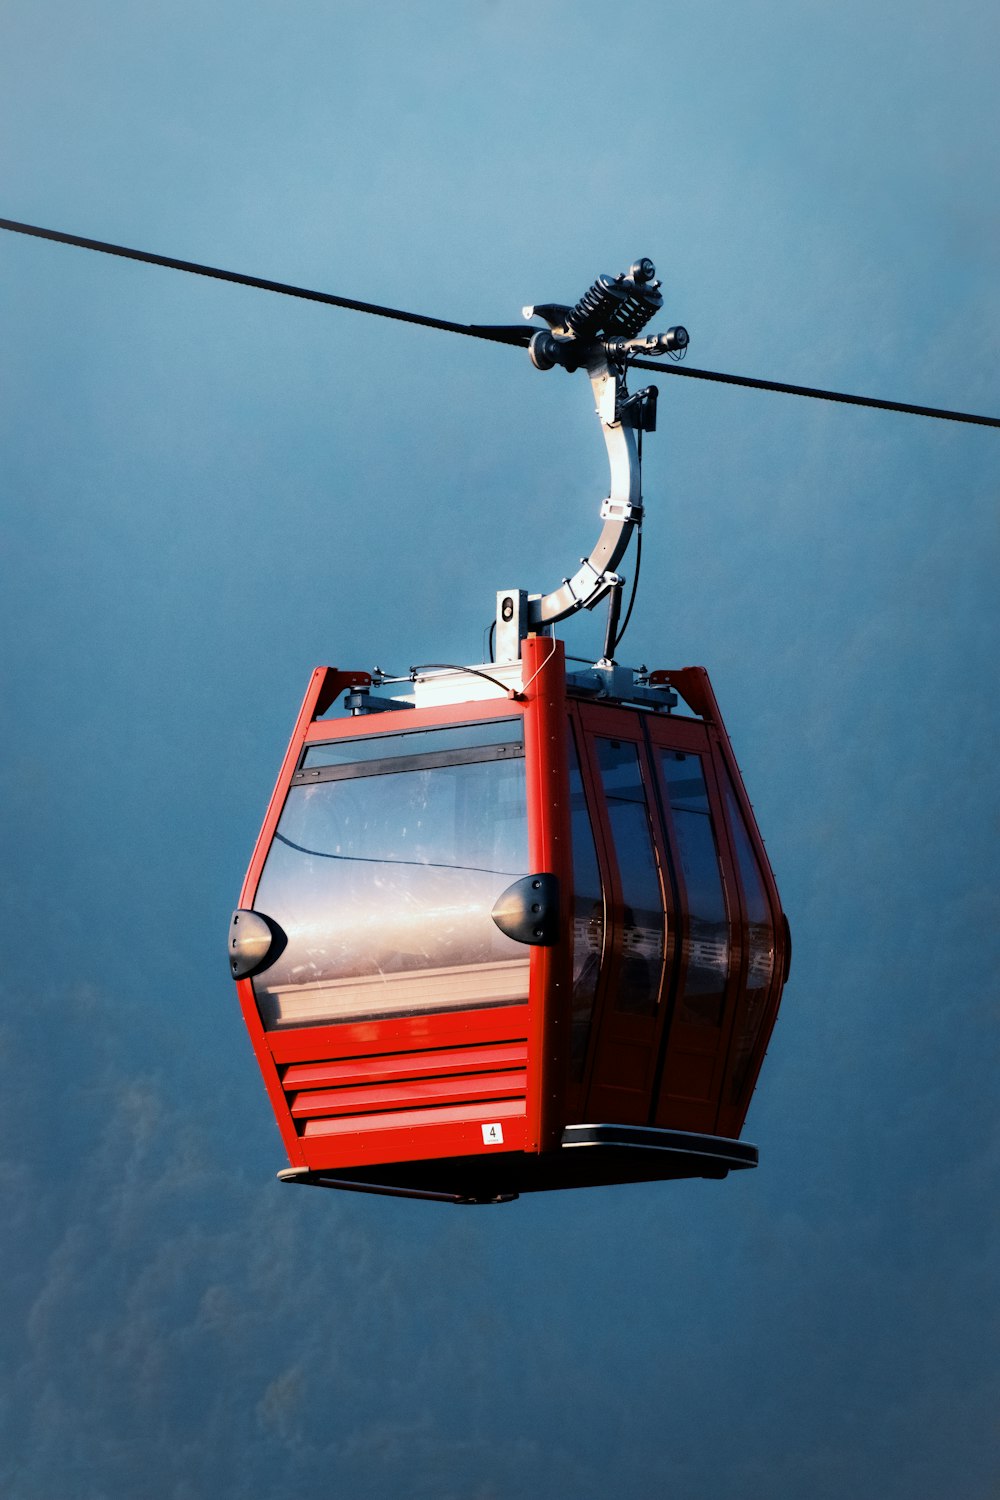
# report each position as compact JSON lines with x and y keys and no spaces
{"x":818,"y":394}
{"x":471,"y":330}
{"x":496,"y":334}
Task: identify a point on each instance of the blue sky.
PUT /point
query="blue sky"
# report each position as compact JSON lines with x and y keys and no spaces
{"x":207,"y":491}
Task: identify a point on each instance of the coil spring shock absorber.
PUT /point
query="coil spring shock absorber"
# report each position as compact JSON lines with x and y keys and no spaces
{"x":632,"y":313}
{"x":641,"y":299}
{"x":618,"y":305}
{"x":595,"y":308}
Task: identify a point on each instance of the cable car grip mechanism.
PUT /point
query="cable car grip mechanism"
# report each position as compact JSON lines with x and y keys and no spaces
{"x":599,"y":334}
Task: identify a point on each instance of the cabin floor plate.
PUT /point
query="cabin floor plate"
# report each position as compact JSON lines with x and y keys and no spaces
{"x":596,"y":1155}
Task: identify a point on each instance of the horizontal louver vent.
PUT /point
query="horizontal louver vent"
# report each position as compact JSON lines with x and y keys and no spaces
{"x":361,"y":1093}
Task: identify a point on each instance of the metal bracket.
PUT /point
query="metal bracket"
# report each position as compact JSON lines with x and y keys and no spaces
{"x":639,"y":410}
{"x":360,"y":701}
{"x":620,"y":510}
{"x":512,"y":624}
{"x":528,"y":910}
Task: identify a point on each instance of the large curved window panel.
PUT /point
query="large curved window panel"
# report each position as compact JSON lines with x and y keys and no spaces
{"x":707,"y":941}
{"x":760,"y":961}
{"x":643,"y":923}
{"x":383,"y":882}
{"x":588,"y":919}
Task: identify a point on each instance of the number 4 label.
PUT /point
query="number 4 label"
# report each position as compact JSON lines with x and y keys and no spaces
{"x":493,"y":1135}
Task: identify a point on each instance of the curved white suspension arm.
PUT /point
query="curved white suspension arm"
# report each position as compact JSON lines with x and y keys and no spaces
{"x":600,"y":333}
{"x":620,"y":512}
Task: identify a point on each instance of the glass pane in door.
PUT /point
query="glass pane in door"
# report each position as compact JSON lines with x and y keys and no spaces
{"x":588,"y":918}
{"x":643,"y":916}
{"x":707,"y":946}
{"x":760,"y":965}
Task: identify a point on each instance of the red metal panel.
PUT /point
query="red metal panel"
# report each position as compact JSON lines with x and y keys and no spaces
{"x":473,"y":712}
{"x":272,"y":1080}
{"x":364,"y":1070}
{"x":546,"y":764}
{"x":407,"y":1094}
{"x":682,"y":734}
{"x":382,"y":1079}
{"x":356,"y":1039}
{"x":413,"y":1135}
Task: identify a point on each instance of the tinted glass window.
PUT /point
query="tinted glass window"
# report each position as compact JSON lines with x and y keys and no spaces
{"x":760,"y":963}
{"x":415,"y":742}
{"x":707,"y":940}
{"x":588,"y":918}
{"x":384,"y":887}
{"x":642,"y":894}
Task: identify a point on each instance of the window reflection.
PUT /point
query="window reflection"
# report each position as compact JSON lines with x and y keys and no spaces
{"x":588,"y":919}
{"x":760,"y":963}
{"x":413,"y":742}
{"x":707,"y":942}
{"x":642,"y":894}
{"x":384,"y":886}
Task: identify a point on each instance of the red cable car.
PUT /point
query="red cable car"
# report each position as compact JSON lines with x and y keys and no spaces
{"x":512,"y":927}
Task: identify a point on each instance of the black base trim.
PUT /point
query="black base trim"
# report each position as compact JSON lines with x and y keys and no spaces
{"x":597,"y":1155}
{"x":734,"y":1154}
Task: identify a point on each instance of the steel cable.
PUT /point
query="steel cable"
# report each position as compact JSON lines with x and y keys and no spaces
{"x":496,"y":334}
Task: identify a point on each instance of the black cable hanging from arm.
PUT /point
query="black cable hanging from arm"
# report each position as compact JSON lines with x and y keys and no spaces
{"x":635,"y":589}
{"x":497,"y":334}
{"x":451,"y":666}
{"x":620,"y":632}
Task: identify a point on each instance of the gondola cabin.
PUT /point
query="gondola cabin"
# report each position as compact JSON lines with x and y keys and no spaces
{"x":513,"y":927}
{"x":510,"y":930}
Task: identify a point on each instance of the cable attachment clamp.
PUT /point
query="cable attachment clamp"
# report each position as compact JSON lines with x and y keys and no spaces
{"x":620,"y":510}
